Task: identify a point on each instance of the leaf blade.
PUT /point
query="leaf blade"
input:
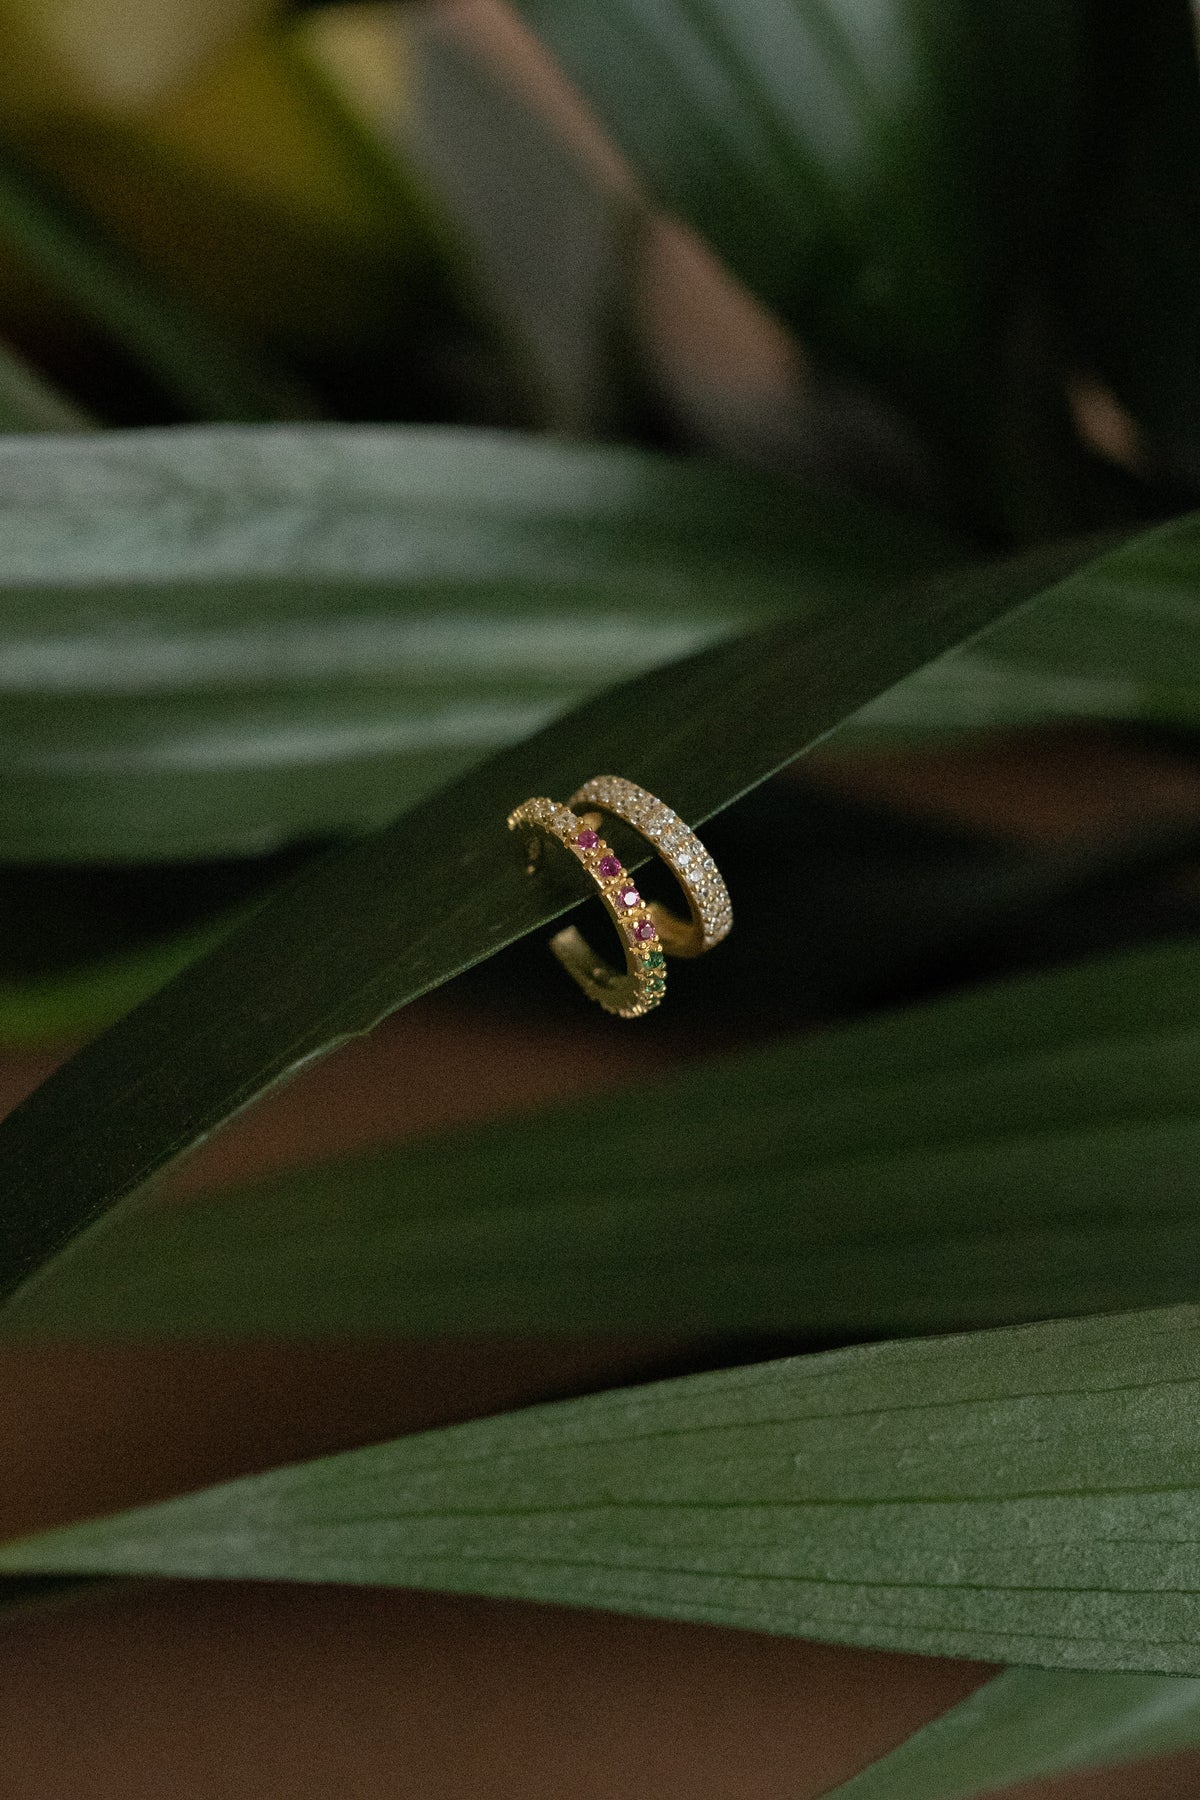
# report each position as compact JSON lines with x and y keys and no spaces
{"x":216,"y":640}
{"x":213,"y":641}
{"x":1021,"y":1496}
{"x":1031,"y":1723}
{"x":393,"y":915}
{"x":816,"y":1186}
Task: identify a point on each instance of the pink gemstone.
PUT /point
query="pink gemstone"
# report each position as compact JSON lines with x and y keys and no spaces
{"x":629,"y":897}
{"x":587,"y":840}
{"x":609,"y":866}
{"x":644,"y":931}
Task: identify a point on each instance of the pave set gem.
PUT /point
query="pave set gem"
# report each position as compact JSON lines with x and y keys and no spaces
{"x":644,"y":984}
{"x":679,"y":847}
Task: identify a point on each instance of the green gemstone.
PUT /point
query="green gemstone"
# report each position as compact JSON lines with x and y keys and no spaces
{"x":655,"y":960}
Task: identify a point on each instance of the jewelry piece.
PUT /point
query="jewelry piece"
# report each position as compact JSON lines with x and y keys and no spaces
{"x":711,"y":915}
{"x":644,"y":982}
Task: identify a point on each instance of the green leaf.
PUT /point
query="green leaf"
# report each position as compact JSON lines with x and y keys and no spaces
{"x":1025,"y":1495}
{"x":215,"y":641}
{"x":816,"y":1186}
{"x":983,"y":691}
{"x":30,"y":403}
{"x":208,"y":376}
{"x":392,"y":915}
{"x":891,"y":898}
{"x":1035,"y":1722}
{"x":1118,"y":643}
{"x":872,"y":175}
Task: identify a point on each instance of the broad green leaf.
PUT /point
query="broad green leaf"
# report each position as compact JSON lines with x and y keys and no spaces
{"x":1025,"y":1496}
{"x":1035,"y":1722}
{"x":216,"y":641}
{"x":29,"y":403}
{"x":220,"y":640}
{"x":1026,"y":1150}
{"x":206,"y":375}
{"x":872,"y":174}
{"x":392,"y":915}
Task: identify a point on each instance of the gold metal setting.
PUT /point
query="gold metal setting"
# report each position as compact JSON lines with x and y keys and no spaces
{"x":644,"y":981}
{"x":710,"y":912}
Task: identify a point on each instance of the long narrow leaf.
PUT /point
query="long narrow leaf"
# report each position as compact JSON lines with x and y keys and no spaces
{"x":1025,"y":1496}
{"x":1035,"y":1722}
{"x":1022,"y":1151}
{"x":392,"y":915}
{"x":214,"y":640}
{"x":218,"y":640}
{"x":1120,"y":644}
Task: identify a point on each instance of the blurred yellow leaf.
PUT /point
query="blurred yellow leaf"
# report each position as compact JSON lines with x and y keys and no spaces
{"x":111,"y":54}
{"x":256,"y":187}
{"x":265,"y":121}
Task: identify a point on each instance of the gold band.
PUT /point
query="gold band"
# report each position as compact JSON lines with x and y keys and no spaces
{"x":710,"y":913}
{"x":644,"y":981}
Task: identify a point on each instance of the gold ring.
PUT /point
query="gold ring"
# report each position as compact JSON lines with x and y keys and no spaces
{"x":642,"y":985}
{"x":710,"y":913}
